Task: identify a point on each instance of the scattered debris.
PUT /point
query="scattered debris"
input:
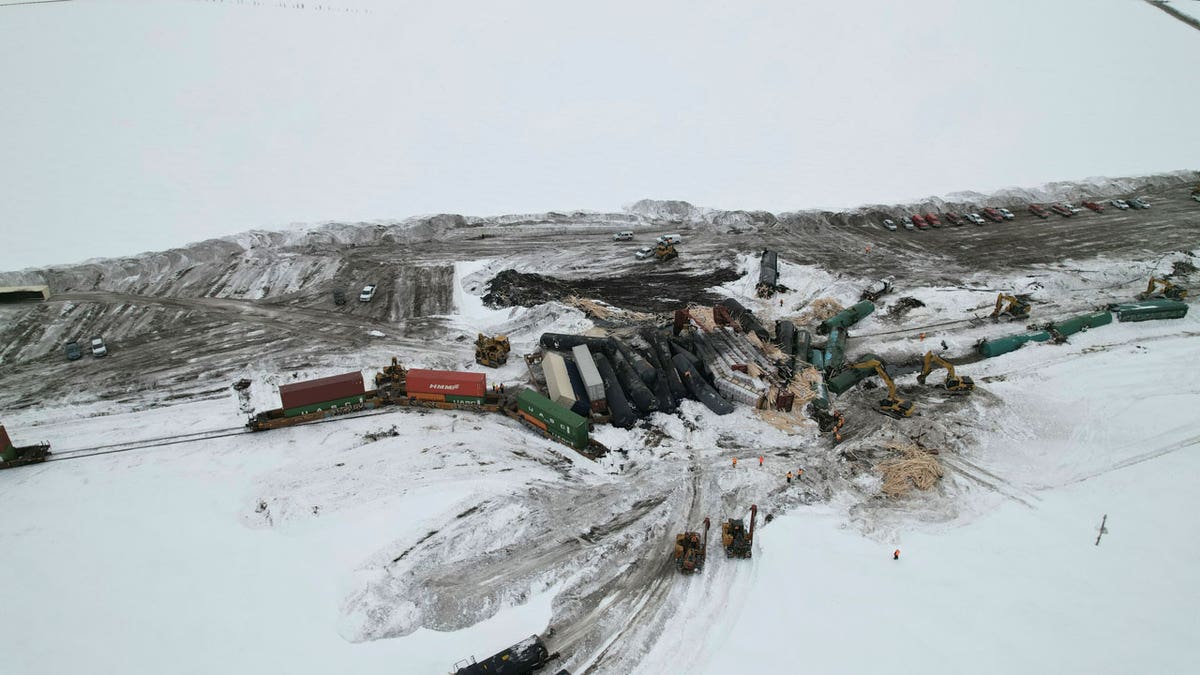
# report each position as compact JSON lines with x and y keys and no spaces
{"x":917,"y":468}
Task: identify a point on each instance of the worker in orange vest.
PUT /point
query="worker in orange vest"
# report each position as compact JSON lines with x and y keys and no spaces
{"x":789,"y":477}
{"x":760,"y":458}
{"x":896,"y":554}
{"x":735,"y":462}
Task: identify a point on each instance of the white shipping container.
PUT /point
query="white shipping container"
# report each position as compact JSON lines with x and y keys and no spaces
{"x":589,"y":373}
{"x":558,"y":382}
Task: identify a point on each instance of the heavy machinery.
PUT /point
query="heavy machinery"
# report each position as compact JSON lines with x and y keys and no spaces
{"x":737,"y":540}
{"x":665,"y":251}
{"x":392,"y":378}
{"x":690,"y":548}
{"x":1011,"y":306}
{"x":953,"y":384}
{"x":12,"y":456}
{"x":492,"y":351}
{"x":1162,"y":289}
{"x":877,"y":289}
{"x":893,"y":405}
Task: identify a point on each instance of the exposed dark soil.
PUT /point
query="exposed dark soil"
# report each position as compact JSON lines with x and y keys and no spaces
{"x":657,"y":291}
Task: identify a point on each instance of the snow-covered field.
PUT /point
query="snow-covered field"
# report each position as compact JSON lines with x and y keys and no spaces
{"x":260,"y":114}
{"x":405,"y":541}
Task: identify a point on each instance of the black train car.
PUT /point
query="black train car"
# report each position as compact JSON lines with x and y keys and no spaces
{"x":525,"y":657}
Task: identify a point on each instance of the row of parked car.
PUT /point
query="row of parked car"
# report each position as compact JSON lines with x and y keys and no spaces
{"x":997,"y":215}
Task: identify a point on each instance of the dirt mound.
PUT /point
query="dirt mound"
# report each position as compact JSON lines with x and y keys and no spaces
{"x":902,"y":306}
{"x":656,"y":291}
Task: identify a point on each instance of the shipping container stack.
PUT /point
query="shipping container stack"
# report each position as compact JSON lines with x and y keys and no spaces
{"x":553,"y":419}
{"x":446,"y":385}
{"x":337,"y":391}
{"x":7,"y":452}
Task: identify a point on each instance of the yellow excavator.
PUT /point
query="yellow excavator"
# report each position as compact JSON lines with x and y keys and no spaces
{"x":1161,"y":288}
{"x":1012,"y":306}
{"x":893,"y":405}
{"x":953,"y":384}
{"x":492,"y":351}
{"x":665,"y":251}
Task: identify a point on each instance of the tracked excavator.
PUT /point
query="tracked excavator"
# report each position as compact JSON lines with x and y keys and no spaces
{"x":893,"y":405}
{"x":737,"y":540}
{"x":1011,"y":306}
{"x":665,"y":251}
{"x":953,"y":383}
{"x":690,"y":548}
{"x":1162,"y":289}
{"x":492,"y":351}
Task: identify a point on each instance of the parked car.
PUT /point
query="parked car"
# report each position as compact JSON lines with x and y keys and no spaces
{"x":627,"y":235}
{"x":1072,"y":208}
{"x":889,"y":225}
{"x":670,"y":239}
{"x":1119,"y":204}
{"x":643,"y":253}
{"x":1061,"y":210}
{"x":932,"y":219}
{"x":74,"y":353}
{"x":1094,"y":206}
{"x":98,"y":348}
{"x":368,"y":292}
{"x":992,"y":214}
{"x":1196,"y":197}
{"x":919,"y":222}
{"x":1139,"y":203}
{"x":1006,"y":214}
{"x":976,"y":218}
{"x":954,"y":219}
{"x":1039,"y":211}
{"x":908,"y":225}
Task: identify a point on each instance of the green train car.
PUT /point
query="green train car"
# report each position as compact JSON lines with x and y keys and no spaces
{"x":553,"y":419}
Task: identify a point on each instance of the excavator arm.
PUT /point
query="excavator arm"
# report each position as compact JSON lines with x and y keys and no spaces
{"x":1162,"y":288}
{"x":953,"y":383}
{"x":1011,"y":305}
{"x":893,"y":405}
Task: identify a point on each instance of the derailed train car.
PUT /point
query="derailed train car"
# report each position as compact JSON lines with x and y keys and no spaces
{"x":525,"y":657}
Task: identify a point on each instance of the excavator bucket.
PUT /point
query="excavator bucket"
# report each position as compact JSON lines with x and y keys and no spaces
{"x":897,"y":408}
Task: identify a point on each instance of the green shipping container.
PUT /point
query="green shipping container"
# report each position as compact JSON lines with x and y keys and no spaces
{"x":337,"y":403}
{"x":477,"y":400}
{"x":560,"y":422}
{"x":847,"y":317}
{"x":1151,"y":310}
{"x":1075,"y":324}
{"x":843,"y":381}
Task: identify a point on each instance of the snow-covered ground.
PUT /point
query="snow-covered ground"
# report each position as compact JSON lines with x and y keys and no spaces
{"x":260,"y":114}
{"x":408,"y":540}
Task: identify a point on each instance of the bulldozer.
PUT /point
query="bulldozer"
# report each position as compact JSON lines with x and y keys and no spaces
{"x":893,"y":405}
{"x":1162,"y":289}
{"x":1011,"y":306}
{"x":392,"y":377}
{"x":953,"y":383}
{"x":665,"y":251}
{"x":492,"y":351}
{"x":690,"y":548}
{"x":737,"y":540}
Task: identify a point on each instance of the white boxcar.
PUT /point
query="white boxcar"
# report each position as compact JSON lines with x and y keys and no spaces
{"x":591,"y":376}
{"x":558,"y":382}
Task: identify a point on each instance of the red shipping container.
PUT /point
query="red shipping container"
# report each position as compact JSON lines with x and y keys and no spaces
{"x":4,"y":442}
{"x":447,"y":382}
{"x":322,"y":390}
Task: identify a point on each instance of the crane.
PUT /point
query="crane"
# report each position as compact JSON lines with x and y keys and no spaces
{"x":1014,"y":306}
{"x":1161,"y":288}
{"x":953,"y":384}
{"x":893,"y":405}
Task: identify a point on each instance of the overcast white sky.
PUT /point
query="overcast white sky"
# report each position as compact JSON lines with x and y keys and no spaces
{"x":132,"y":125}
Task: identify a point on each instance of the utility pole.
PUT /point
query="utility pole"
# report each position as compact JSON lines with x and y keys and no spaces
{"x":1103,"y":529}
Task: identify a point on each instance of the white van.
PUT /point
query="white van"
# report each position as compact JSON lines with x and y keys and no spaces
{"x":670,"y":239}
{"x":627,"y":235}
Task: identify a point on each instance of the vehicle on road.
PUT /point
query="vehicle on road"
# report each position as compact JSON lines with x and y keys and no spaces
{"x":1119,"y":203}
{"x":919,"y":222}
{"x":955,"y":219}
{"x":992,"y":215}
{"x":671,"y":239}
{"x":1039,"y":211}
{"x":627,"y":235}
{"x":1072,"y":208}
{"x":1139,"y":203}
{"x":1061,"y":210}
{"x":368,"y":292}
{"x":889,"y":225}
{"x":907,"y":224}
{"x":644,"y":252}
{"x":1006,"y":214}
{"x":933,"y":220}
{"x":1094,"y":206}
{"x":99,"y":349}
{"x":74,"y":353}
{"x":975,"y":218}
